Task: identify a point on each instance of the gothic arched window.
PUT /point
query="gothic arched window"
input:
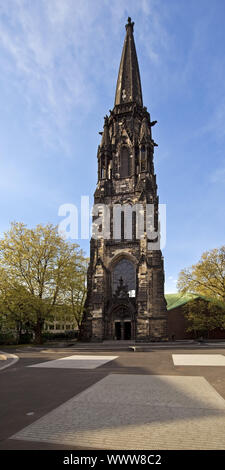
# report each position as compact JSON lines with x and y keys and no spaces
{"x":143,"y":158}
{"x":124,"y":269}
{"x":124,"y":162}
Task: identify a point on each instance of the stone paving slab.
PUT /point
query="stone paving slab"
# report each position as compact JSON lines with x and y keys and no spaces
{"x":76,"y":362}
{"x":136,"y":412}
{"x":198,"y":359}
{"x":156,"y":390}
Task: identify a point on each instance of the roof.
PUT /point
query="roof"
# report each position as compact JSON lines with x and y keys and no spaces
{"x":178,"y":299}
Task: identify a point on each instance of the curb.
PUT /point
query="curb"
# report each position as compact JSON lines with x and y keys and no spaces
{"x":3,"y":357}
{"x":9,"y":358}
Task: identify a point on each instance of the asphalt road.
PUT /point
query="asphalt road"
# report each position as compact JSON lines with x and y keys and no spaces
{"x":27,"y":394}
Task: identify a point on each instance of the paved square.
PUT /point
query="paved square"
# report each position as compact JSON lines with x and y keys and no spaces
{"x":198,"y":359}
{"x":77,"y":362}
{"x":137,"y":412}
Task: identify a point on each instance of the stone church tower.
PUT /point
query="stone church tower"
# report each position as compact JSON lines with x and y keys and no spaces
{"x":125,"y":298}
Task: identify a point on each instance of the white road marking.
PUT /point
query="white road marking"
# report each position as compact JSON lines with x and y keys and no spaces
{"x":76,"y":362}
{"x":198,"y":359}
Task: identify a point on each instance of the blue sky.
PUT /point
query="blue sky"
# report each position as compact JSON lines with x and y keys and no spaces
{"x":59,"y":62}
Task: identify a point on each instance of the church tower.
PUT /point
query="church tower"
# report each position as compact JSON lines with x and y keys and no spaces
{"x":125,"y":298}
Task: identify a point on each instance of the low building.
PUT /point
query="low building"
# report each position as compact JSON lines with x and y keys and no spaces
{"x":57,"y":326}
{"x":177,"y":321}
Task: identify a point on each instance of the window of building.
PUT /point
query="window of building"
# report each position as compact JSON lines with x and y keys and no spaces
{"x":122,"y":225}
{"x":143,"y":158}
{"x":125,"y":269}
{"x":134,"y":219}
{"x":132,"y":293}
{"x":124,"y":162}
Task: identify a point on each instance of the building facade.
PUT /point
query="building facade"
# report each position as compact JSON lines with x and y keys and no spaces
{"x":178,"y":306}
{"x":125,"y":298}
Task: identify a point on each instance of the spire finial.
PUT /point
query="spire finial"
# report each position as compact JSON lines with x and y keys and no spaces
{"x":130,"y":24}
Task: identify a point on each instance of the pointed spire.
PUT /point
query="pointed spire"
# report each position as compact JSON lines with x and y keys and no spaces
{"x":128,"y":87}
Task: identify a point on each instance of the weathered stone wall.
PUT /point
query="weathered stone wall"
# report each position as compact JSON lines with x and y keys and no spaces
{"x":126,"y":177}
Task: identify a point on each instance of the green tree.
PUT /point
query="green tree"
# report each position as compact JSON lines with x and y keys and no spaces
{"x":207,"y":277}
{"x":204,"y":316}
{"x":15,"y":306}
{"x":37,"y":260}
{"x":76,"y":287}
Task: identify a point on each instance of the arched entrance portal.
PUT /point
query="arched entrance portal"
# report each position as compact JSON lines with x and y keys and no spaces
{"x":120,"y":314}
{"x":123,"y":324}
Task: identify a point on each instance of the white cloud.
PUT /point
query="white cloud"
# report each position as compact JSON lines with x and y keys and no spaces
{"x":54,"y":53}
{"x":47,"y":58}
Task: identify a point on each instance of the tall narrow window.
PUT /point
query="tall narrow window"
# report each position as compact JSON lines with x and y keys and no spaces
{"x":134,"y":225}
{"x":122,"y":225}
{"x":143,"y":158}
{"x":124,"y":162}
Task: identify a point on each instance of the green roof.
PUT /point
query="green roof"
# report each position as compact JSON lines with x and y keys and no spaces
{"x":176,"y":300}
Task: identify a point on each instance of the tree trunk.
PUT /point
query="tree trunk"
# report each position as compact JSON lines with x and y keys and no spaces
{"x":38,"y":332}
{"x":19,"y":332}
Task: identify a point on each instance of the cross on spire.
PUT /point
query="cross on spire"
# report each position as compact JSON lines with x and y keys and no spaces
{"x":130,"y":24}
